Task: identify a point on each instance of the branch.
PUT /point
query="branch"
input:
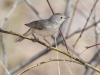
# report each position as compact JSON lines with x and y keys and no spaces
{"x":87,"y":47}
{"x":94,"y":62}
{"x":78,"y":31}
{"x":50,"y":6}
{"x":86,"y":23}
{"x":5,"y":68}
{"x":10,"y":12}
{"x":30,"y":5}
{"x":2,"y":37}
{"x":53,"y":48}
{"x":69,"y":26}
{"x":44,"y":62}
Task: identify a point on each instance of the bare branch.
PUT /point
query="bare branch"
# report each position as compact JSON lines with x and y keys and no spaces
{"x":1,"y":26}
{"x":44,"y":62}
{"x":86,"y":23}
{"x":8,"y":15}
{"x":43,"y":52}
{"x":30,"y":5}
{"x":87,"y":47}
{"x":72,"y":17}
{"x":94,"y":61}
{"x":5,"y":68}
{"x":53,"y":48}
{"x":50,"y":6}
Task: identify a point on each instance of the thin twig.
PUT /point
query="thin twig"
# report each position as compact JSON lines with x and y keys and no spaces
{"x":73,"y":14}
{"x":2,"y":38}
{"x":43,"y":62}
{"x":8,"y":15}
{"x":87,"y":47}
{"x":50,"y":6}
{"x":68,"y":67}
{"x":94,"y":61}
{"x":69,"y":26}
{"x":86,"y":23}
{"x":78,"y":31}
{"x":4,"y":51}
{"x":5,"y":68}
{"x":86,"y":7}
{"x":30,"y":5}
{"x":64,"y":40}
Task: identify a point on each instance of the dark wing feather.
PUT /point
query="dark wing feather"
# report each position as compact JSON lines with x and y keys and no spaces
{"x":37,"y":24}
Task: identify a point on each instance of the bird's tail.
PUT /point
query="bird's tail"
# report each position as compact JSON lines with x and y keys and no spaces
{"x":19,"y":39}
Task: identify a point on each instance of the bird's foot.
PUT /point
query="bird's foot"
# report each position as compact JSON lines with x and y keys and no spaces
{"x":50,"y":47}
{"x":36,"y":39}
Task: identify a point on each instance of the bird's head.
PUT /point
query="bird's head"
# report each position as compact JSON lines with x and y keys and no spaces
{"x":58,"y":18}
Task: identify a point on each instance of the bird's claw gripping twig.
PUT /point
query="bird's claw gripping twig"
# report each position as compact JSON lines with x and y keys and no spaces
{"x":35,"y":38}
{"x":50,"y":47}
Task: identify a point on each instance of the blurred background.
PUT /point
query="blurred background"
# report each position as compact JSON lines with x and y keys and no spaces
{"x":17,"y":56}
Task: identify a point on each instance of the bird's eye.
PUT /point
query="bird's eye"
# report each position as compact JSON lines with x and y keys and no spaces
{"x":61,"y":17}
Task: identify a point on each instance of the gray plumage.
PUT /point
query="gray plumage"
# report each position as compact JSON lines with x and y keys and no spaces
{"x":41,"y":24}
{"x":46,"y":27}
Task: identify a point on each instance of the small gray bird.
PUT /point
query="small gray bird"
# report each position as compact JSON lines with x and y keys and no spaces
{"x":46,"y":27}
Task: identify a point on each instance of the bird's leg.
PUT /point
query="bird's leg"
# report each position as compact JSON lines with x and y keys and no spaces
{"x":35,"y":38}
{"x":48,"y":43}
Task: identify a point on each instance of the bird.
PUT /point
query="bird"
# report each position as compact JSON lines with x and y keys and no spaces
{"x":45,"y":27}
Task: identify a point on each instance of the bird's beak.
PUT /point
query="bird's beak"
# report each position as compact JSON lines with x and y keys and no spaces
{"x":67,"y":17}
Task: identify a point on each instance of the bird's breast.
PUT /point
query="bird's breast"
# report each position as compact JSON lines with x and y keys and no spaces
{"x":45,"y":32}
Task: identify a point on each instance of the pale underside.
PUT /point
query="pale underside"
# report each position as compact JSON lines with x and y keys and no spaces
{"x":43,"y":28}
{"x":45,"y":32}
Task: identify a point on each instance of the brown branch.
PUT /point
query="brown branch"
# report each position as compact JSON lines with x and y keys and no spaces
{"x":50,"y":7}
{"x":64,"y":40}
{"x":86,"y":23}
{"x":59,"y":27}
{"x":87,"y":47}
{"x":53,"y":48}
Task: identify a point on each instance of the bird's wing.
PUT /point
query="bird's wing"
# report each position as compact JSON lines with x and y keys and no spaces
{"x":37,"y":24}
